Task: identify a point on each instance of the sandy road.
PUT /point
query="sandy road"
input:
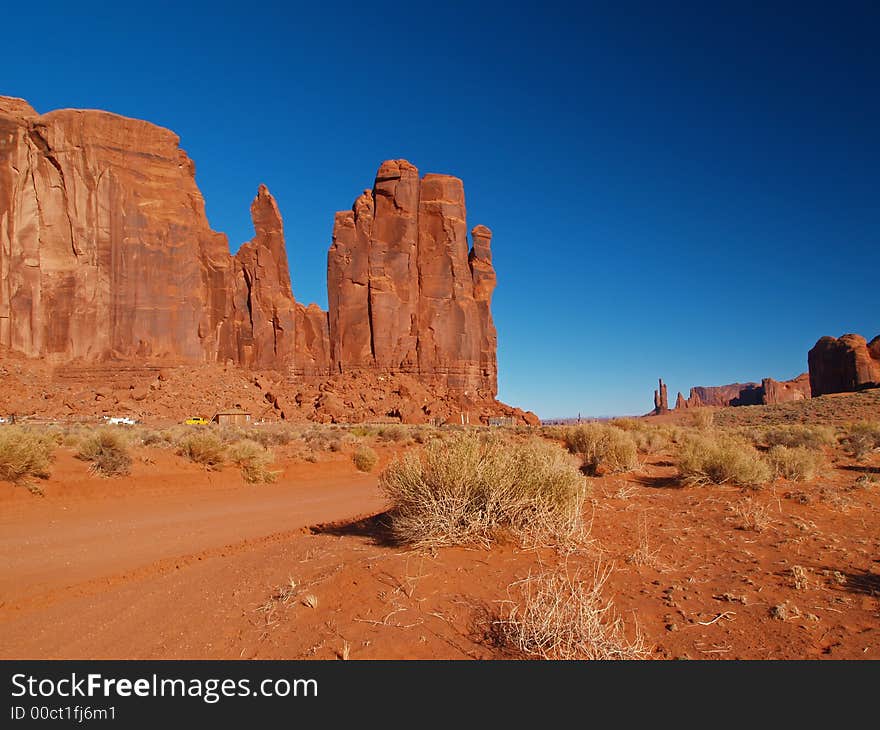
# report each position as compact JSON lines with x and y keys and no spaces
{"x":65,"y":559}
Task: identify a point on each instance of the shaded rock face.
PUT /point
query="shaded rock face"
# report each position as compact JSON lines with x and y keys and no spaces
{"x":407,"y":293}
{"x":106,"y":252}
{"x":734,"y":394}
{"x":844,"y":365}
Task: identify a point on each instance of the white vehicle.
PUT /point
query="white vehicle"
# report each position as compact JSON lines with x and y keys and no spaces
{"x":120,"y":421}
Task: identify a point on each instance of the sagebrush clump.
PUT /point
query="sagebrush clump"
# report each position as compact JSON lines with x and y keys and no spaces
{"x":469,"y":487}
{"x":107,"y":450}
{"x":24,"y":454}
{"x":798,"y":463}
{"x":720,"y":459}
{"x":861,"y":439}
{"x":203,"y":447}
{"x":253,"y":460}
{"x":797,"y":436}
{"x":364,"y":458}
{"x":559,"y":615}
{"x":603,"y":447}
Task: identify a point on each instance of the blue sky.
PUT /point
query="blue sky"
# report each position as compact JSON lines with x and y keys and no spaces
{"x":687,"y":192}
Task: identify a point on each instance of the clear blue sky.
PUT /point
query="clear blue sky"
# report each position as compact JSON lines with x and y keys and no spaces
{"x":691,"y":192}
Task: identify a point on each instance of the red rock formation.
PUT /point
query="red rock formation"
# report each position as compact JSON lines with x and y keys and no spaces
{"x":734,"y":394}
{"x":768,"y":392}
{"x":106,"y":255}
{"x":103,"y":229}
{"x":661,"y":399}
{"x":348,"y":287}
{"x":438,"y":324}
{"x":680,"y":402}
{"x":784,"y":392}
{"x":844,"y":365}
{"x":393,"y":267}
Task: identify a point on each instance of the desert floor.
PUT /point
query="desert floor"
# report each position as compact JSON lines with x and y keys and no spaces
{"x":177,"y":562}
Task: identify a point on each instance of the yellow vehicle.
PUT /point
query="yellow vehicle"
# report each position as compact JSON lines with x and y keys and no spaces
{"x":196,"y":421}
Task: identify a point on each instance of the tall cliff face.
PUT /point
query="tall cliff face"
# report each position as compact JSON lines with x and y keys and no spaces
{"x":845,"y":364}
{"x":106,"y":254}
{"x":406,"y":292}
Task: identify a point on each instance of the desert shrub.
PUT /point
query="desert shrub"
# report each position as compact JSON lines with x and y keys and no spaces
{"x":650,"y":441}
{"x":154,"y":438}
{"x":272,"y":434}
{"x":752,"y":515}
{"x":703,"y":419}
{"x":562,"y":616}
{"x":203,"y":447}
{"x":721,"y":459}
{"x":626,"y":424}
{"x":24,"y":454}
{"x":107,"y":450}
{"x":364,"y":458}
{"x":253,"y":460}
{"x":231,"y":434}
{"x":393,"y":433}
{"x":468,"y":487}
{"x":603,"y":447}
{"x":797,"y":436}
{"x":861,"y":439}
{"x":798,"y":463}
{"x":363,"y":431}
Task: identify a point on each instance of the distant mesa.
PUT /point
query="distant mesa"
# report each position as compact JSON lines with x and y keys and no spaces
{"x":106,"y":255}
{"x":836,"y":365}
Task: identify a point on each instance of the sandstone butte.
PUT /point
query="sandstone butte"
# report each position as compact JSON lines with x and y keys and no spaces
{"x":106,"y":255}
{"x":845,"y":364}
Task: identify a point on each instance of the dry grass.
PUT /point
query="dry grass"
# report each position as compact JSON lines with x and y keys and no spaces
{"x":702,"y":419}
{"x":469,"y":487}
{"x":24,"y":454}
{"x":861,"y":439}
{"x":720,"y":459}
{"x":107,"y":450}
{"x":365,"y":459}
{"x":752,"y":515}
{"x":800,"y":577}
{"x":651,"y":441}
{"x":797,"y":436}
{"x":203,"y":447}
{"x":564,"y":616}
{"x":254,"y":461}
{"x":603,"y":447}
{"x":797,"y":463}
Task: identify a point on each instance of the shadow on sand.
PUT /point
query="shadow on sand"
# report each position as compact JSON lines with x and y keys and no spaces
{"x":376,"y":528}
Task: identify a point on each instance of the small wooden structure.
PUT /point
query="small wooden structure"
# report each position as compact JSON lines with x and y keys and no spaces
{"x":232,"y":417}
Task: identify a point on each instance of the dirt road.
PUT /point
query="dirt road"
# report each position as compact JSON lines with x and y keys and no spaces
{"x":94,"y":568}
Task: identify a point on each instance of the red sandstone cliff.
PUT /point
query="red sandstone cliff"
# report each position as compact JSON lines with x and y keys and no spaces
{"x":406,"y":294}
{"x":106,"y":255}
